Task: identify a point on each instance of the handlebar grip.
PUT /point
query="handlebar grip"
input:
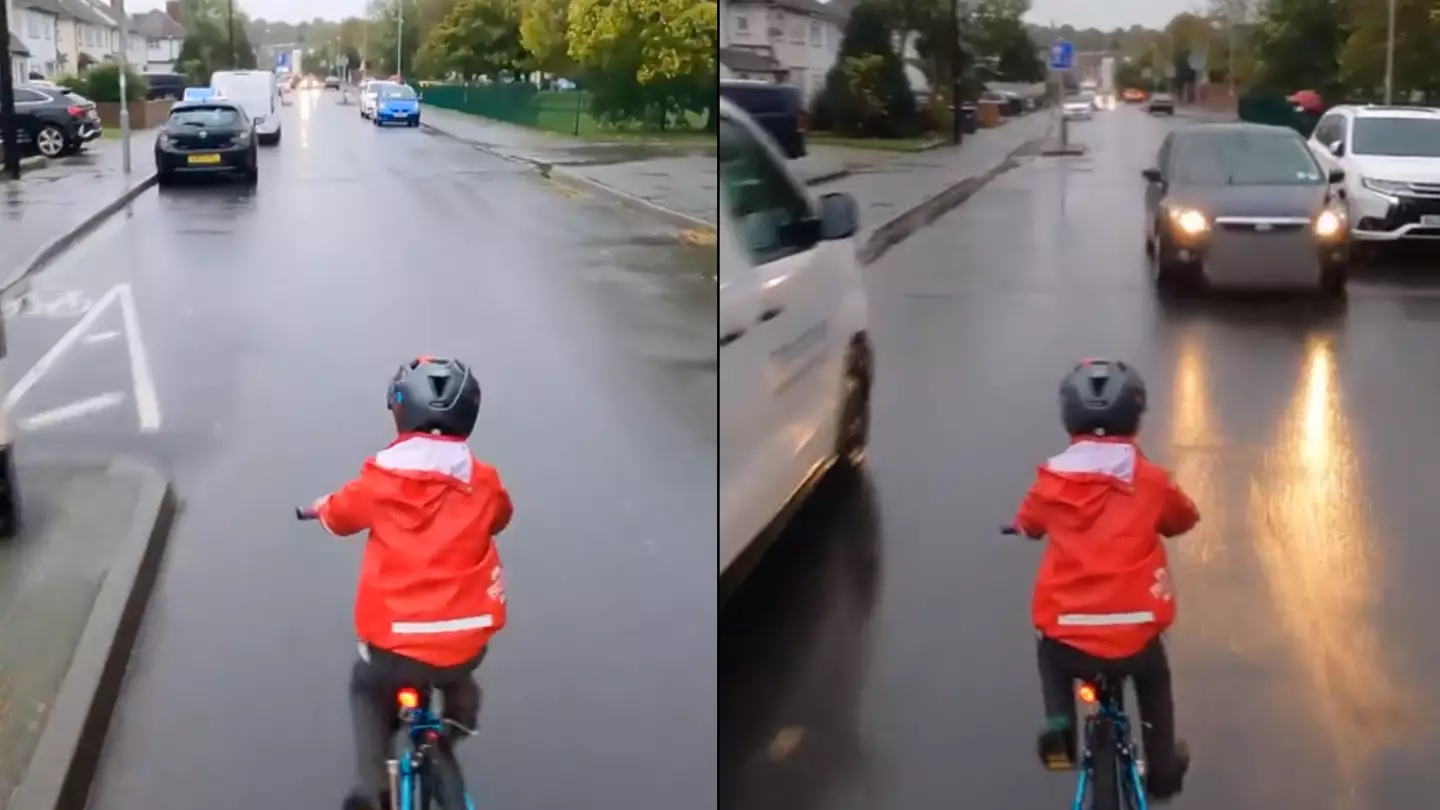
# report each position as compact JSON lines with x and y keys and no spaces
{"x":1009,"y":530}
{"x":305,"y":513}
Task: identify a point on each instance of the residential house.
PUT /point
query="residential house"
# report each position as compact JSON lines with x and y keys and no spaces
{"x":163,"y":38}
{"x":793,"y":41}
{"x":135,"y":41}
{"x":85,"y":35}
{"x":37,"y":24}
{"x":18,"y":55}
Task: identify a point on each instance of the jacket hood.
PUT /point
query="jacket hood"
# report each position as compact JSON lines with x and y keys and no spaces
{"x":1079,"y":482}
{"x":416,"y":474}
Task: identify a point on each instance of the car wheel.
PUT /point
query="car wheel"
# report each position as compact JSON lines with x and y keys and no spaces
{"x":252,"y":175}
{"x":50,"y":141}
{"x":164,"y":179}
{"x":853,"y":428}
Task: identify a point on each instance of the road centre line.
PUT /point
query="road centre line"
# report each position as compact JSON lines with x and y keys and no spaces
{"x":74,"y":410}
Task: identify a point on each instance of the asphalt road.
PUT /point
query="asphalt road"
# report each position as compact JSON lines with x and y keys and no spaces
{"x":883,"y":658}
{"x":268,"y":325}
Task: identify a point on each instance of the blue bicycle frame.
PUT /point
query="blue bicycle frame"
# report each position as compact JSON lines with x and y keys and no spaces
{"x":1131,"y":787}
{"x":422,"y":731}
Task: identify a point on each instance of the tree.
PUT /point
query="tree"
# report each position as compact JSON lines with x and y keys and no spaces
{"x":867,"y":92}
{"x":206,"y":48}
{"x":646,"y":58}
{"x":1298,"y":44}
{"x":477,"y":38}
{"x":1362,"y":58}
{"x":543,"y":33}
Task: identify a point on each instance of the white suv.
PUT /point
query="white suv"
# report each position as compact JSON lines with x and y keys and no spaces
{"x":795,"y":359}
{"x":1391,"y":160}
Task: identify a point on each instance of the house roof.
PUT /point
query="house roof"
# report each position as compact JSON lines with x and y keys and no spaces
{"x":158,"y":25}
{"x":838,"y":10}
{"x":84,"y":12}
{"x":17,"y":48}
{"x":746,"y":60}
{"x":44,"y":6}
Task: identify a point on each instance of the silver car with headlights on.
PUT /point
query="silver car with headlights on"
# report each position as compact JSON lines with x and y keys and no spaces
{"x":1244,"y":205}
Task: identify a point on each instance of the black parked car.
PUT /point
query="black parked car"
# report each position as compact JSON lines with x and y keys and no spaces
{"x":165,"y":86}
{"x":777,"y":108}
{"x":207,"y":138}
{"x":54,"y":122}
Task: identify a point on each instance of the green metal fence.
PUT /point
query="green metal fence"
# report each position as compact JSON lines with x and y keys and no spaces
{"x":564,"y":111}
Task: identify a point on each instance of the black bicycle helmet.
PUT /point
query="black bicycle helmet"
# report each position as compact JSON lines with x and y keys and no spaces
{"x":434,"y":395}
{"x":1102,"y":398}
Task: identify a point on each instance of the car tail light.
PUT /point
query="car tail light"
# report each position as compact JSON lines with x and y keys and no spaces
{"x":76,"y":111}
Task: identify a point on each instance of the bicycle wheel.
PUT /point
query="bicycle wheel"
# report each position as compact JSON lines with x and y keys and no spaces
{"x":1104,"y":768}
{"x":443,"y":781}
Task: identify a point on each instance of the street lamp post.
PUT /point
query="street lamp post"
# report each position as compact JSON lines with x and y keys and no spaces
{"x":399,"y":37}
{"x":124,"y":90}
{"x":1390,"y":56}
{"x":954,"y":71}
{"x":9,"y":132}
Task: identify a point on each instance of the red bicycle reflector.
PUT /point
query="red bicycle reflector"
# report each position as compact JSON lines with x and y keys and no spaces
{"x":1086,"y":692}
{"x":408,"y":698}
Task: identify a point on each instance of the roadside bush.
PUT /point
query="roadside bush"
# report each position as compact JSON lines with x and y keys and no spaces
{"x":867,"y":93}
{"x":102,"y":84}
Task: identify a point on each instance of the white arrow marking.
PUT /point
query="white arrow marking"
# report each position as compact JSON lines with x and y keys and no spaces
{"x":101,"y":337}
{"x":74,"y":410}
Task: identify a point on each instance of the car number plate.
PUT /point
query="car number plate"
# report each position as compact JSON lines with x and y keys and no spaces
{"x":1430,"y":221}
{"x":203,"y":160}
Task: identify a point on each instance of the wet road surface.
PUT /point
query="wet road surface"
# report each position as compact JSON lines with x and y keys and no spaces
{"x":243,"y":340}
{"x":883,"y":657}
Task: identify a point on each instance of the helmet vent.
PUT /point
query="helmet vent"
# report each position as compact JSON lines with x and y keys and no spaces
{"x":438,"y":384}
{"x":1097,"y":384}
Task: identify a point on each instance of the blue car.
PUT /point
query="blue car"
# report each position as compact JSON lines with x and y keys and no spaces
{"x":397,"y":104}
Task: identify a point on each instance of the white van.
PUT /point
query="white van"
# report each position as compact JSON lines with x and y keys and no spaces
{"x":258,"y":92}
{"x":795,"y":359}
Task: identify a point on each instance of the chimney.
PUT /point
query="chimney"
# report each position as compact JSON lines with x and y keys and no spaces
{"x":172,"y":10}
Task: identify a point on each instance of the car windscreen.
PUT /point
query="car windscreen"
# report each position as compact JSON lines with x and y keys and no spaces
{"x":213,"y":117}
{"x":1243,"y":159}
{"x":397,"y":93}
{"x":1396,"y":137}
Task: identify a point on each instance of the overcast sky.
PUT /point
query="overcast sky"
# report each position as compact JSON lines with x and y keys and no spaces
{"x":1109,"y":14}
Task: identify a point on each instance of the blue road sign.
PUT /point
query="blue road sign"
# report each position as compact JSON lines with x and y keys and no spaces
{"x":282,"y":59}
{"x":1062,"y":55}
{"x":199,"y":93}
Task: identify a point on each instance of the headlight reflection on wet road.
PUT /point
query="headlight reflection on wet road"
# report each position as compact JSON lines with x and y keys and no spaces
{"x":1317,"y":556}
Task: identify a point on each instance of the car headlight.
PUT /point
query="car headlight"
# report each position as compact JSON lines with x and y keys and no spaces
{"x":164,"y":139}
{"x":1329,"y":224}
{"x":1388,"y":187}
{"x":1189,"y":221}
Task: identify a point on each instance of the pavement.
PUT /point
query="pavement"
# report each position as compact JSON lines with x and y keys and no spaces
{"x":239,"y":341}
{"x":674,"y":176}
{"x":883,"y":656}
{"x":54,"y":198}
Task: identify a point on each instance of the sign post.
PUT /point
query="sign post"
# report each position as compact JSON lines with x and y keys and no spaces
{"x":1062,"y":61}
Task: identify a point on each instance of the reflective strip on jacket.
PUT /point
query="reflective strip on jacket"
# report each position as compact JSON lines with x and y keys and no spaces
{"x":431,"y":584}
{"x":1104,"y":582}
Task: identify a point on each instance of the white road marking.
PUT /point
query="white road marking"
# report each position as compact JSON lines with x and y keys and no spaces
{"x":101,"y":337}
{"x":66,"y":342}
{"x":147,"y":399}
{"x":74,"y":410}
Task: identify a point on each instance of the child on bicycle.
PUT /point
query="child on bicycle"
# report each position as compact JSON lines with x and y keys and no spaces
{"x":1103,"y":594}
{"x":431,"y":590}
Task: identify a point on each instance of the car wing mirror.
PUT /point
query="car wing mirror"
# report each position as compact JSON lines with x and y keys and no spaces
{"x":1153,"y":176}
{"x":1337,"y":148}
{"x":839,"y":216}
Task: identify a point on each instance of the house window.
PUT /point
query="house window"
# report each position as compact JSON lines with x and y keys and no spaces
{"x":817,"y":34}
{"x":742,"y":23}
{"x":797,"y":31}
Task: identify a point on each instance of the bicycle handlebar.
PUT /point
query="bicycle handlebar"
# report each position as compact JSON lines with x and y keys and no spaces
{"x":1009,"y":530}
{"x":305,"y":513}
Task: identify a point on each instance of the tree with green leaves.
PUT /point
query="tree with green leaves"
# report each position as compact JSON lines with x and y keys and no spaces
{"x":1417,"y":49}
{"x":477,"y":38}
{"x":1298,"y":44}
{"x":544,"y":30}
{"x":867,"y":93}
{"x":646,"y":59}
